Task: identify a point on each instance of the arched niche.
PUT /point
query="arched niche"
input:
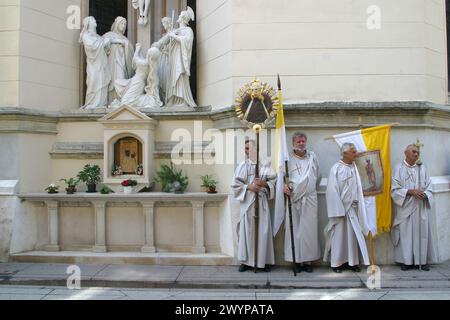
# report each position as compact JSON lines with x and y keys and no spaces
{"x":129,"y":139}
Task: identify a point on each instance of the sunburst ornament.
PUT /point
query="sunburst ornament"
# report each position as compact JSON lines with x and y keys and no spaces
{"x":257,"y":104}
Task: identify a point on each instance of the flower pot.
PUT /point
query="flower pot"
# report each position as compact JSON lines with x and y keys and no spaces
{"x":71,"y":189}
{"x":128,"y":190}
{"x":52,"y":192}
{"x":212,"y":190}
{"x":91,"y":188}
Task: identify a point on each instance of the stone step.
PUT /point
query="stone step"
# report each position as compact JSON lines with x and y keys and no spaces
{"x":133,"y":258}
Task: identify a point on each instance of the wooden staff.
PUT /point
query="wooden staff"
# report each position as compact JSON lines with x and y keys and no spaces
{"x":291,"y":226}
{"x":257,"y":129}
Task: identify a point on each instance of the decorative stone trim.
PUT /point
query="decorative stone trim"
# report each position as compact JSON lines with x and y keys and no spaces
{"x":77,"y":150}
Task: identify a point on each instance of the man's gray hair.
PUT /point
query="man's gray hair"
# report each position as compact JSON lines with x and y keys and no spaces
{"x":346,"y":147}
{"x":299,"y":135}
{"x":410,"y":146}
{"x":250,"y":141}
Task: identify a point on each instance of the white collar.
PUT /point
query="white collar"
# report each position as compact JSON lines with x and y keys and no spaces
{"x":408,"y":165}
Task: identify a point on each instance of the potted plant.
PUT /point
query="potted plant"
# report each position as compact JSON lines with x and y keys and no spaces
{"x":91,"y":176}
{"x":128,"y":186}
{"x":172,"y":180}
{"x":71,"y":185}
{"x":106,"y":190}
{"x":209,"y":183}
{"x":52,"y":189}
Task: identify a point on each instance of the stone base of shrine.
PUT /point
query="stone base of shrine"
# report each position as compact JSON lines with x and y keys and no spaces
{"x":160,"y":258}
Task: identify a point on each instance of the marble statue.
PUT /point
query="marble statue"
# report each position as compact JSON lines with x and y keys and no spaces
{"x":129,"y":90}
{"x":151,"y":97}
{"x":178,"y":91}
{"x":120,"y":56}
{"x":97,"y":69}
{"x":142,"y":6}
{"x":163,"y":46}
{"x":142,"y":89}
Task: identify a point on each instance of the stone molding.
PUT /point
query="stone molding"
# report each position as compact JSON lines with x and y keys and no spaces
{"x":410,"y":114}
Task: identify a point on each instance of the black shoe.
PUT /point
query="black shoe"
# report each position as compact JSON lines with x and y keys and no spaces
{"x":265,"y":269}
{"x":308,"y":269}
{"x":405,"y":267}
{"x":355,"y":268}
{"x":426,"y":267}
{"x":337,"y":270}
{"x":243,"y":268}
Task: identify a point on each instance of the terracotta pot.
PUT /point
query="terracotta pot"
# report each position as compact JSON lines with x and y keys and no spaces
{"x":212,"y":190}
{"x":71,"y":189}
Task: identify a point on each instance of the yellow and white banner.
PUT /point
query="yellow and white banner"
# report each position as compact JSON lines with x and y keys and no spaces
{"x":378,"y":208}
{"x":281,"y":156}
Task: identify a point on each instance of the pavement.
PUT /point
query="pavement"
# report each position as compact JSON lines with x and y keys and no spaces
{"x":153,"y":282}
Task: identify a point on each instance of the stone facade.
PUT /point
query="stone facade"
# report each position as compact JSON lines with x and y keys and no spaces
{"x":326,"y":56}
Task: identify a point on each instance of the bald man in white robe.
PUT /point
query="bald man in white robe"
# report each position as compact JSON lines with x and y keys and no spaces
{"x":347,"y":215}
{"x":412,"y":202}
{"x":245,"y":187}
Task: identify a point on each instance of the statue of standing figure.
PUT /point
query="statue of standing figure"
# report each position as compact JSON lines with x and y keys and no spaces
{"x":178,"y":91}
{"x":163,"y":46}
{"x":120,"y":56}
{"x":97,"y":69}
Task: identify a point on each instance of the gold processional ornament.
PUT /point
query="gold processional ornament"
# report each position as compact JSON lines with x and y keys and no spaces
{"x":257,"y":104}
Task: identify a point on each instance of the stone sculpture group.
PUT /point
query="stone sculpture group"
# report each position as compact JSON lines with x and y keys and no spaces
{"x":117,"y":75}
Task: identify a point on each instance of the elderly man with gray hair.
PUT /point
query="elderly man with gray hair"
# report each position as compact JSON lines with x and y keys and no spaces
{"x":303,"y":179}
{"x":346,"y":212}
{"x":411,"y":233}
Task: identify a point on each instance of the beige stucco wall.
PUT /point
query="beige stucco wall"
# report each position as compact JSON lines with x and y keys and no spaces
{"x":323,"y":50}
{"x":39,"y":54}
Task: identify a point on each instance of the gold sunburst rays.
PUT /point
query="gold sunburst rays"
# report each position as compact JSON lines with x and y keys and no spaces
{"x":256,"y":104}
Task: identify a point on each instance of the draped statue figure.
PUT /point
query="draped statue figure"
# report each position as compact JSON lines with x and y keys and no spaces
{"x":97,"y":69}
{"x":178,"y":91}
{"x":163,"y":46}
{"x":120,"y":56}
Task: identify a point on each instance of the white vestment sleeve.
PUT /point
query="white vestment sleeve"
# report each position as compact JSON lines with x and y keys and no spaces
{"x":335,"y":206}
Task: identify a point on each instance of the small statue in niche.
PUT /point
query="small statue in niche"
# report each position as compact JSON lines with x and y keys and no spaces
{"x":117,"y":171}
{"x":140,"y":170}
{"x":143,"y":7}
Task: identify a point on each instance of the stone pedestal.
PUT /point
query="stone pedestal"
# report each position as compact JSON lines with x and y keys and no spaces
{"x":100,"y":226}
{"x":53,"y":226}
{"x":198,"y":227}
{"x":148,"y":208}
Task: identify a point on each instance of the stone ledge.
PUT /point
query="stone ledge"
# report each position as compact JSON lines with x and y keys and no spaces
{"x":95,"y":150}
{"x":156,"y":196}
{"x":77,"y":150}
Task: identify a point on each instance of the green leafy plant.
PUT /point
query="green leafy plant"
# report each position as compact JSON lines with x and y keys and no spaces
{"x":52,"y":189}
{"x":106,"y":190}
{"x":208,"y":181}
{"x":71,"y":182}
{"x":71,"y":185}
{"x":171,"y":179}
{"x":90,"y":174}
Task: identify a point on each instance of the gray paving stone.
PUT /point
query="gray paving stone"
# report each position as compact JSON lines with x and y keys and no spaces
{"x":12,"y":268}
{"x":47,"y":269}
{"x":139,"y":273}
{"x":21,"y":296}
